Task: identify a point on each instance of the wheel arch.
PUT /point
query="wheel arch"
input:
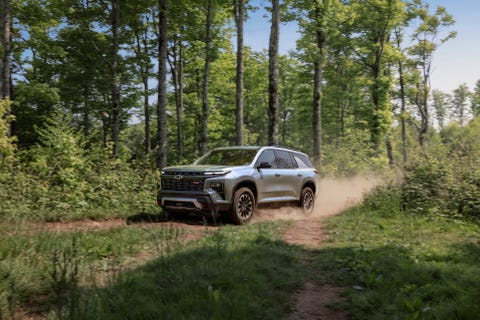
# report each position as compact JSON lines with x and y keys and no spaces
{"x":247,"y":184}
{"x":311,"y":185}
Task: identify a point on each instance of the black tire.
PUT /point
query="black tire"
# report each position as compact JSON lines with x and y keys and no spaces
{"x":307,"y":201}
{"x":243,"y":206}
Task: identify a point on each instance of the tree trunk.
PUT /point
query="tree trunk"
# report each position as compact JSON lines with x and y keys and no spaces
{"x":273,"y":75}
{"x":403,"y":102}
{"x":206,"y":79}
{"x":239,"y":6}
{"x":6,"y":35}
{"x":114,"y":81}
{"x":375,"y":132}
{"x":180,"y":106}
{"x":317,"y":85}
{"x":176,"y":68}
{"x":391,"y":159}
{"x":425,"y":113}
{"x":86,"y":110}
{"x":161,"y":152}
{"x":343,"y":109}
{"x":403,"y":112}
{"x":7,"y":48}
{"x":142,"y":46}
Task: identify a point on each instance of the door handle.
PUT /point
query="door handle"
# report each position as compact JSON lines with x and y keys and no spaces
{"x":277,"y":174}
{"x":299,"y":174}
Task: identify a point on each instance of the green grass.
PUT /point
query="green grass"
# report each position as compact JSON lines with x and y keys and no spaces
{"x":404,"y":266}
{"x":230,"y":273}
{"x":392,"y":264}
{"x":37,"y":266}
{"x":236,"y":273}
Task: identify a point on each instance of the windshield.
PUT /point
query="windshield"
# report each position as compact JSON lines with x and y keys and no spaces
{"x":228,"y":157}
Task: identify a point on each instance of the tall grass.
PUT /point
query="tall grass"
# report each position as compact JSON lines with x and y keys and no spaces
{"x":235,"y":273}
{"x":134,"y":272}
{"x":399,"y":265}
{"x":42,"y":272}
{"x":393,"y":264}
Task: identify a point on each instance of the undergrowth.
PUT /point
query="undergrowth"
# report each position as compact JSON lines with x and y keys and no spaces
{"x":402,"y":265}
{"x":135,"y":272}
{"x":393,"y":264}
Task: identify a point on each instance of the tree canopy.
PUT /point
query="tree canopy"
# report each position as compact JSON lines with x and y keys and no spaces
{"x":173,"y":79}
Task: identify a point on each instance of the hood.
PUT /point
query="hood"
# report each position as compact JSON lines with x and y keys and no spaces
{"x":198,"y":168}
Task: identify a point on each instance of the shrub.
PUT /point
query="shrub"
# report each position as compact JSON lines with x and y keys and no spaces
{"x":425,"y":188}
{"x":384,"y":199}
{"x":350,"y":156}
{"x":7,"y":148}
{"x":60,"y":179}
{"x":446,"y":178}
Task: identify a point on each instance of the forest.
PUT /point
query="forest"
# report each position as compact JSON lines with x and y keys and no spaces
{"x":96,"y":95}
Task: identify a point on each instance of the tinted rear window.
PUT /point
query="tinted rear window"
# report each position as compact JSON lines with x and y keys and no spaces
{"x":284,"y":160}
{"x":302,"y":161}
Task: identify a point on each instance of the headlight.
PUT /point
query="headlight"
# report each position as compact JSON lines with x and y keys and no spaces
{"x":216,"y":173}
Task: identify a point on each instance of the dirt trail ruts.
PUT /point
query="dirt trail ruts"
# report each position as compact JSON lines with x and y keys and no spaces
{"x":314,"y":300}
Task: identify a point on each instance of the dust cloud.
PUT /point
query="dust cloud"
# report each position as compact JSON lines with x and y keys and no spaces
{"x":334,"y":195}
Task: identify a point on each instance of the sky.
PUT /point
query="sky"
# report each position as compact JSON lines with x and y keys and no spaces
{"x":455,"y":62}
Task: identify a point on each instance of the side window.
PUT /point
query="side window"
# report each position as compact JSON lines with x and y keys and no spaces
{"x":284,"y":160}
{"x":267,"y":156}
{"x":302,"y":161}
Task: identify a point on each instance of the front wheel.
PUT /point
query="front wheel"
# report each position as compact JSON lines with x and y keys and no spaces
{"x":243,"y":206}
{"x":307,"y":201}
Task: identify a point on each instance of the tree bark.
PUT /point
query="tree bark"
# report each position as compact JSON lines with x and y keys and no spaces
{"x":343,"y":108}
{"x":391,"y":159}
{"x":142,"y":47}
{"x":86,"y":110}
{"x":273,"y":75}
{"x":114,"y":81}
{"x":317,"y":84}
{"x":376,"y":92}
{"x":424,"y":104}
{"x":161,"y":148}
{"x":6,"y":35}
{"x":206,"y":79}
{"x":176,"y":68}
{"x":239,"y":6}
{"x":6,"y":21}
{"x":403,"y":102}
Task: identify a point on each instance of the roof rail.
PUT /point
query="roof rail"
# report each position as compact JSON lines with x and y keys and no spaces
{"x":286,"y":147}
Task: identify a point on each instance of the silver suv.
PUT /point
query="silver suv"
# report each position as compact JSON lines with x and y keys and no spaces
{"x":235,"y":180}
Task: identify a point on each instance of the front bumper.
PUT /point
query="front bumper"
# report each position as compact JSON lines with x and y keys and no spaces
{"x":206,"y":201}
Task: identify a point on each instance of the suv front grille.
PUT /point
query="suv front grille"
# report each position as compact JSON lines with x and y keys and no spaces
{"x":183,"y":181}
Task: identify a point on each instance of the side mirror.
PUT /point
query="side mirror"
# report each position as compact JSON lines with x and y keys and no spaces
{"x":264,"y":165}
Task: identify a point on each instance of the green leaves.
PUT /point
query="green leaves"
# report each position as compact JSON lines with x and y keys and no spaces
{"x":446,"y":179}
{"x":7,"y":148}
{"x":403,"y":266}
{"x":59,"y":179}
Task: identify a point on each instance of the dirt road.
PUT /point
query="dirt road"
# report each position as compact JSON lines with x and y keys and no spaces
{"x":314,"y":300}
